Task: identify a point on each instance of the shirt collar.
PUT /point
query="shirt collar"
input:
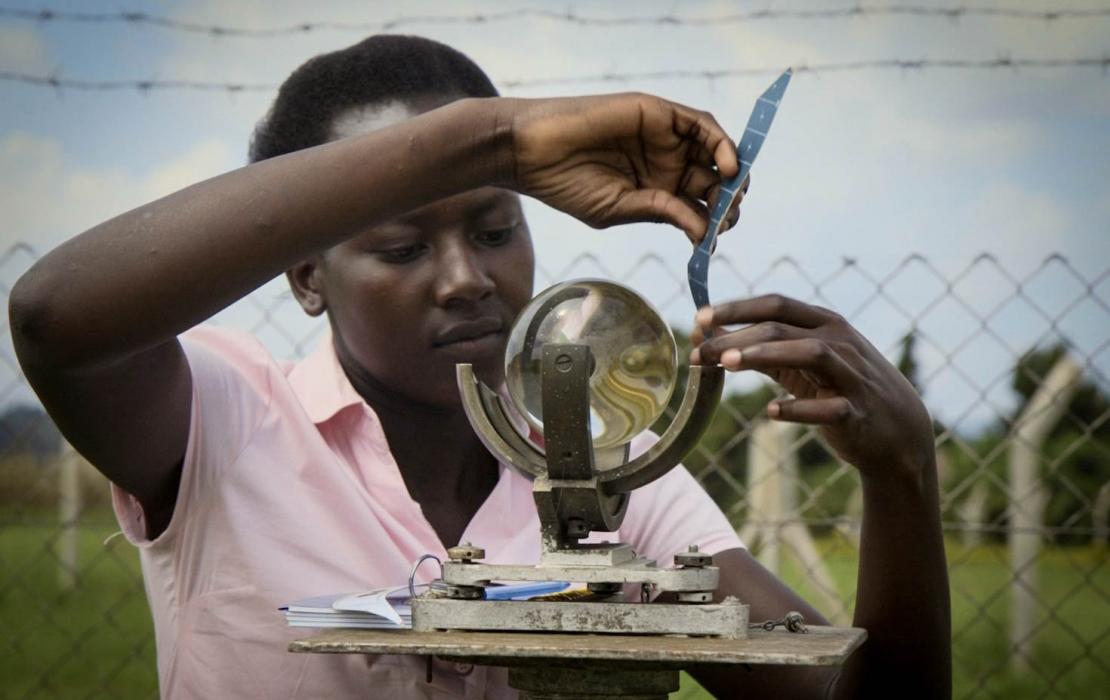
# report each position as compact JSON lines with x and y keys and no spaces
{"x":322,"y":387}
{"x":324,"y":390}
{"x":320,"y":383}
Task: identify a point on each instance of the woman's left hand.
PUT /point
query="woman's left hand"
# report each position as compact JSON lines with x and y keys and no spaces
{"x":868,"y":412}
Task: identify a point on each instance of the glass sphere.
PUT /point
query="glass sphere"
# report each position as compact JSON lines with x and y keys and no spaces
{"x":633,"y":350}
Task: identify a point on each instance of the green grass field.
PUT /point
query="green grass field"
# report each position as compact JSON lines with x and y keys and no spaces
{"x":95,"y":640}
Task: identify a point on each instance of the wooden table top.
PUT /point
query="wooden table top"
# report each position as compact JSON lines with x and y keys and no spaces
{"x":821,"y":646}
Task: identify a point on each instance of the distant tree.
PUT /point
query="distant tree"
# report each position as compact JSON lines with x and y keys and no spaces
{"x":907,"y":363}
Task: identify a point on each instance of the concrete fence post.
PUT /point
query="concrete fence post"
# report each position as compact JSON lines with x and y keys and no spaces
{"x":774,"y":528}
{"x":1028,"y":498}
{"x":69,"y":513}
{"x":1099,"y":516}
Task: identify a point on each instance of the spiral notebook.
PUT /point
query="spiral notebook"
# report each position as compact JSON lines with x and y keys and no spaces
{"x":388,"y":608}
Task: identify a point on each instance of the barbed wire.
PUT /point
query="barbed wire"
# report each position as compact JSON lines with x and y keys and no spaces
{"x":1001,"y":63}
{"x":952,"y":12}
{"x":56,"y":81}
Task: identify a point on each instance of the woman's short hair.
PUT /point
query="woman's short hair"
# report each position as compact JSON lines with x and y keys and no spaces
{"x":379,"y":69}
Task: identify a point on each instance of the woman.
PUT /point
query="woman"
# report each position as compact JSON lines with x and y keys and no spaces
{"x":384,"y":185}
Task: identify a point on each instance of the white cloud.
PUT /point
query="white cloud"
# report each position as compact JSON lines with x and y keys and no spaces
{"x":46,"y":198}
{"x":23,"y":51}
{"x":1030,"y":222}
{"x":950,"y":142}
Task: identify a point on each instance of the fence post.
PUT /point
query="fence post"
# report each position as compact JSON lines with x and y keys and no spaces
{"x":69,"y":511}
{"x":765,"y":455}
{"x":1028,"y":498}
{"x":772,"y":489}
{"x":973,"y":513}
{"x":1099,"y":515}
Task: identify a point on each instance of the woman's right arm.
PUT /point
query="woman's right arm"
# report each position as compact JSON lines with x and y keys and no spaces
{"x":95,"y":321}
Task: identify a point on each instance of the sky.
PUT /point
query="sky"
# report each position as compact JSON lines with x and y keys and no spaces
{"x":949,"y":188}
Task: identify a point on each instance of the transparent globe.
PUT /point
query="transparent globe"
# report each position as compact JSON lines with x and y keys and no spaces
{"x":633,"y":351}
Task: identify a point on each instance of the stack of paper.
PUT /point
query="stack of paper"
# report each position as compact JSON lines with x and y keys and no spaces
{"x":381,"y":608}
{"x":388,"y":608}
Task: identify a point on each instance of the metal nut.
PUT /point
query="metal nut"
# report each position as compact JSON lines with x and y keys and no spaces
{"x":465,"y":552}
{"x":465,"y":592}
{"x":604,"y":588}
{"x":692,"y":558}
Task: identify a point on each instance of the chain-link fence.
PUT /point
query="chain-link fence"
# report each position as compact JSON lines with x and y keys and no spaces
{"x":1014,"y":369}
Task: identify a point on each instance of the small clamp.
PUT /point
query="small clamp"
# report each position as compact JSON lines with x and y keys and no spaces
{"x":793,"y":621}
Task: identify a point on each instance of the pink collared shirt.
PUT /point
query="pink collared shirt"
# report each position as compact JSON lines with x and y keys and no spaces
{"x":289,"y":490}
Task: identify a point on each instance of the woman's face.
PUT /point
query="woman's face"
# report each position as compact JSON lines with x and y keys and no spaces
{"x":440,"y":285}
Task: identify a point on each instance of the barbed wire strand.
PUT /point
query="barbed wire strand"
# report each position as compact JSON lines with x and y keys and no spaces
{"x":1001,"y":63}
{"x":569,"y":16}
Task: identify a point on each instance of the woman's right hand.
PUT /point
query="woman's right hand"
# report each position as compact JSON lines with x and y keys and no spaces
{"x":615,"y":159}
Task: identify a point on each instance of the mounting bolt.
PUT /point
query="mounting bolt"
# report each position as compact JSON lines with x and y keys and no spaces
{"x":692,"y":558}
{"x":465,"y":552}
{"x":577,"y":527}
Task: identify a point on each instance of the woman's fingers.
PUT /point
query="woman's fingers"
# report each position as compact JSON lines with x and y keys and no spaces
{"x":770,"y":307}
{"x":820,"y":362}
{"x":733,"y":213}
{"x":702,"y":128}
{"x":712,"y":351}
{"x":700,"y":182}
{"x":700,"y":209}
{"x":659,"y":205}
{"x":697,"y":337}
{"x":701,"y":187}
{"x":823,"y":411}
{"x":817,"y":363}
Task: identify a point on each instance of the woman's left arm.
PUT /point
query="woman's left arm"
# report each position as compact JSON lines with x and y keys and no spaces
{"x":873,"y":418}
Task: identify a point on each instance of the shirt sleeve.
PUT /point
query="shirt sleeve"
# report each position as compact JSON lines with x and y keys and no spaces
{"x":672,"y":513}
{"x":231,"y":379}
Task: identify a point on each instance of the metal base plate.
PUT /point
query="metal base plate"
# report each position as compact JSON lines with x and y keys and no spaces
{"x":728,"y":619}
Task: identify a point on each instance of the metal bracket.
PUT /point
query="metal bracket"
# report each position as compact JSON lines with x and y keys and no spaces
{"x":638,"y":570}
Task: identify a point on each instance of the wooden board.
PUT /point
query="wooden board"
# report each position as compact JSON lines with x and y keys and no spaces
{"x":822,"y":646}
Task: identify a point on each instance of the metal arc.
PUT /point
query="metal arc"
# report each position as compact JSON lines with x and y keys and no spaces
{"x":487,"y":416}
{"x":703,"y":393}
